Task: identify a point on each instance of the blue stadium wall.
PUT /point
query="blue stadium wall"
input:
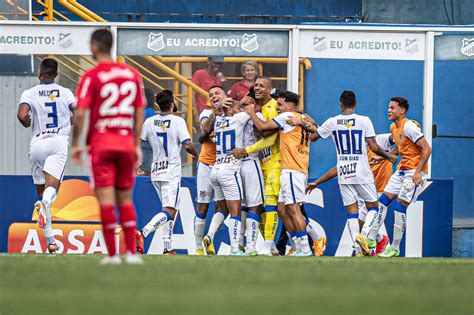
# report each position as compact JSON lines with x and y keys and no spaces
{"x":232,"y":11}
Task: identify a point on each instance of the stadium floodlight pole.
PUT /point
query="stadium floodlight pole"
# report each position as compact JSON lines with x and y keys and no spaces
{"x":428,"y":78}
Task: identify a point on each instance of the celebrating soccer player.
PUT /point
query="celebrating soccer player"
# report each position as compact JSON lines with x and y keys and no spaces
{"x":50,"y":106}
{"x":350,"y":133}
{"x":166,"y":133}
{"x":407,"y":182}
{"x":113,"y":93}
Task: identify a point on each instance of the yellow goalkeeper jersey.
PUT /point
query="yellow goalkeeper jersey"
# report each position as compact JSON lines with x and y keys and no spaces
{"x":271,"y":156}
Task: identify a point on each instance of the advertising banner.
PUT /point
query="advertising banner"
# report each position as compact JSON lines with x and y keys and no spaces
{"x":47,"y":40}
{"x":454,"y":47}
{"x":77,"y":228}
{"x":362,"y":45}
{"x":136,"y":42}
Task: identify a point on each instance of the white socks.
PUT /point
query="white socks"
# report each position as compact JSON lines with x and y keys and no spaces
{"x":251,"y":232}
{"x":234,"y":233}
{"x":167,"y":235}
{"x":243,"y":224}
{"x":216,"y":222}
{"x":353,"y":226}
{"x":398,"y":228}
{"x":156,"y":222}
{"x":369,"y":222}
{"x":49,"y":195}
{"x":199,"y":226}
{"x":312,"y":231}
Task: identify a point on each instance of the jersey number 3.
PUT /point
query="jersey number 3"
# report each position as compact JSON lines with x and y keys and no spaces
{"x":111,"y":92}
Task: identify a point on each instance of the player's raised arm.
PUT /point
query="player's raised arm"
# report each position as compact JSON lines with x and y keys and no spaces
{"x":324,"y":178}
{"x":379,"y":151}
{"x":260,"y":125}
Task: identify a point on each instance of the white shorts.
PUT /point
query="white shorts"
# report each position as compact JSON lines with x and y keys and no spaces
{"x":252,"y":181}
{"x":292,"y":186}
{"x":48,"y":155}
{"x":203,"y":184}
{"x":227,"y":185}
{"x":351,"y":193}
{"x":168,"y":192}
{"x":401,"y":184}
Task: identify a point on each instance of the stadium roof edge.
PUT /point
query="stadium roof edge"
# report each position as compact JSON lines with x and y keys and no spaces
{"x":283,"y":27}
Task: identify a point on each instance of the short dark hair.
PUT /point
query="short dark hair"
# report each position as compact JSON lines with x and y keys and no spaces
{"x":103,"y":39}
{"x":348,"y":99}
{"x":289,"y":96}
{"x":165,"y":99}
{"x":49,"y":67}
{"x":217,"y":86}
{"x":269,"y":81}
{"x":402,"y":102}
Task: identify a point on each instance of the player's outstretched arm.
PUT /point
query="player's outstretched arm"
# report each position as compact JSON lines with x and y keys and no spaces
{"x":258,"y":146}
{"x":379,"y":151}
{"x":23,"y":115}
{"x":307,"y":123}
{"x":326,"y":176}
{"x":425,"y":155}
{"x":260,"y":125}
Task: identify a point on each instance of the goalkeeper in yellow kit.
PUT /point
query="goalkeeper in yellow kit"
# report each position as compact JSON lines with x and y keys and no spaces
{"x":269,"y":148}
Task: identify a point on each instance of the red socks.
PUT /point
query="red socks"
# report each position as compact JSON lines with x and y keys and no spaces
{"x":128,"y":221}
{"x":107,"y":213}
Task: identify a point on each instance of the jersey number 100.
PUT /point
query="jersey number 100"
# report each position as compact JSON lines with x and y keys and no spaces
{"x":348,"y":141}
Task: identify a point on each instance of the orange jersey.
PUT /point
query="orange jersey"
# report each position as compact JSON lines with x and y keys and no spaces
{"x":294,"y":144}
{"x":208,"y":153}
{"x":407,"y":148}
{"x":382,"y":171}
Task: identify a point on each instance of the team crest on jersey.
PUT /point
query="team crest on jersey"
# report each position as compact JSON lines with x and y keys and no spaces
{"x":163,"y":124}
{"x":249,"y":42}
{"x":467,"y":48}
{"x":155,"y":41}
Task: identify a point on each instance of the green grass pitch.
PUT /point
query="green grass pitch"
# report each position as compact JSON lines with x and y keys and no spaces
{"x":73,"y":284}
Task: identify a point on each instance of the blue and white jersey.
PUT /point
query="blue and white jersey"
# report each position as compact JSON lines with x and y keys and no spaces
{"x":229,"y":135}
{"x":349,"y":133}
{"x":251,"y":135}
{"x":165,"y":134}
{"x":50,"y":106}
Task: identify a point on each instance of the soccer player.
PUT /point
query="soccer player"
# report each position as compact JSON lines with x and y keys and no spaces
{"x":294,"y":149}
{"x":407,"y":182}
{"x":350,"y":133}
{"x":47,"y":107}
{"x":113,"y":93}
{"x":382,"y":170}
{"x":252,"y":181}
{"x":166,"y":133}
{"x":206,"y":160}
{"x":225,"y":175}
{"x":269,"y":148}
